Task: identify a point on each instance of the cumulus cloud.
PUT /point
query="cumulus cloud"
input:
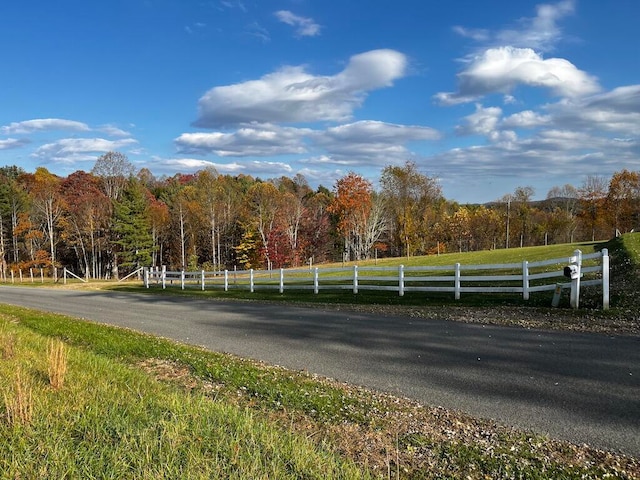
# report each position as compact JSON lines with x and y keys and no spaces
{"x":305,"y":27}
{"x":255,"y":167}
{"x":501,"y":70}
{"x":257,"y":140}
{"x":487,"y":122}
{"x":540,"y":33}
{"x":43,"y":124}
{"x":526,"y":119}
{"x":616,"y":111}
{"x":370,"y":142}
{"x":70,"y":150}
{"x":10,"y":143}
{"x":483,"y":121}
{"x":559,"y":153}
{"x":292,"y":95}
{"x":195,"y":164}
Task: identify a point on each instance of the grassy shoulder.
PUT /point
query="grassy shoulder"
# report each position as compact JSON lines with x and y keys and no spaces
{"x":137,"y":406}
{"x":111,"y":419}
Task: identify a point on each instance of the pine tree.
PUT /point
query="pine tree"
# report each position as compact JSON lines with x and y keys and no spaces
{"x":131,"y":227}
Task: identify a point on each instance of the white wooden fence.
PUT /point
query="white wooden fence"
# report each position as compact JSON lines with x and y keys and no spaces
{"x":523,"y":278}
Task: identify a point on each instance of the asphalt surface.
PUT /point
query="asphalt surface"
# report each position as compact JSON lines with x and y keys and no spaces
{"x":584,"y":388}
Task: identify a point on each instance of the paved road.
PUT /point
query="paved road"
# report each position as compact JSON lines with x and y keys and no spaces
{"x":579,"y":387}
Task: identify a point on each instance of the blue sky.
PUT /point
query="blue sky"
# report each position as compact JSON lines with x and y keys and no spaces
{"x":485,"y":95}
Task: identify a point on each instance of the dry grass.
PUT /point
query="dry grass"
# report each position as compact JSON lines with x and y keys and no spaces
{"x":19,"y":407}
{"x":7,"y":345}
{"x":57,"y":367}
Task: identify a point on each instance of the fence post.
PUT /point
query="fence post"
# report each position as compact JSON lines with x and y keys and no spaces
{"x":31,"y":274}
{"x":355,"y":279}
{"x":41,"y":275}
{"x":282,"y":280}
{"x":20,"y":275}
{"x":316,"y":284}
{"x":182,"y":279}
{"x":164,"y":277}
{"x":251,"y":280}
{"x":525,"y":280}
{"x":605,"y":279}
{"x":575,"y":282}
{"x":202,"y":279}
{"x":456,"y":282}
{"x":64,"y":272}
{"x":146,"y":277}
{"x":401,"y":280}
{"x":226,"y":280}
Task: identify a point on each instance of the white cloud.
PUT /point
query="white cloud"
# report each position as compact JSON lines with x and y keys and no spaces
{"x":71,"y":150}
{"x":549,"y":153}
{"x":293,"y":95}
{"x":305,"y":27}
{"x":616,"y":111}
{"x":114,"y":131}
{"x":540,"y":33}
{"x":10,"y":143}
{"x":487,"y":122}
{"x":370,"y":142}
{"x":265,"y":168}
{"x":483,"y":121}
{"x":42,"y":124}
{"x":193,"y":164}
{"x":477,"y":34}
{"x":526,"y":119}
{"x":257,"y":140}
{"x":501,"y":70}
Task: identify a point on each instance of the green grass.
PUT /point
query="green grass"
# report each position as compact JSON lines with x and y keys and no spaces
{"x":113,"y":420}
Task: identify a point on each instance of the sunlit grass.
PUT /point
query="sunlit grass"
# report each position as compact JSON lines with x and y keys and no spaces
{"x":109,"y":420}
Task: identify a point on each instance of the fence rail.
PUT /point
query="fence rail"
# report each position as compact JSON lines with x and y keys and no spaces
{"x":523,"y":278}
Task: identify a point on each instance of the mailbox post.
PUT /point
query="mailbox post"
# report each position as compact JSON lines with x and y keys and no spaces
{"x":572,"y":271}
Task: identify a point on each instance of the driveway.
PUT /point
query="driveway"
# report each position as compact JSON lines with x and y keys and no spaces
{"x":580,"y":387}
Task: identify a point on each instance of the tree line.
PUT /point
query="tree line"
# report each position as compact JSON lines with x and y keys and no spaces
{"x":113,"y":220}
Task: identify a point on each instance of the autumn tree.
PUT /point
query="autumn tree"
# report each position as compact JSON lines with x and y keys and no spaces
{"x":113,"y":169}
{"x":159,"y":221}
{"x":409,"y":195}
{"x":294,"y":192}
{"x":485,"y":226}
{"x":316,"y":226}
{"x":264,"y":203}
{"x":523,"y":211}
{"x":44,"y":190}
{"x":360,"y":215}
{"x":13,"y":200}
{"x":85,"y":220}
{"x":593,"y":194}
{"x":564,"y":204}
{"x":623,"y":201}
{"x":209,"y":196}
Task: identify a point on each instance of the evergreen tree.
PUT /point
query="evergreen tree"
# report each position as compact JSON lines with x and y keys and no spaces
{"x":131,"y":227}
